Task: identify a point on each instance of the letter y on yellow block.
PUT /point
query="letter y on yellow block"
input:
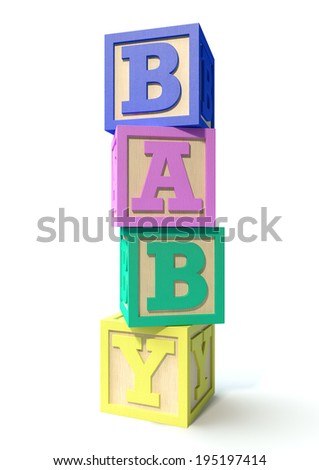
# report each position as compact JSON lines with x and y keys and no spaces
{"x":143,"y":371}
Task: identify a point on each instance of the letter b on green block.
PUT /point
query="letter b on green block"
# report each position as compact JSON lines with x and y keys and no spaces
{"x":167,"y":275}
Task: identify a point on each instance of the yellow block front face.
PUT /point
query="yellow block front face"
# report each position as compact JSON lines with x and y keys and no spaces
{"x":164,"y":375}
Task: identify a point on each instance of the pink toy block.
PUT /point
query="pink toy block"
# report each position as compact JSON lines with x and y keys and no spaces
{"x":163,"y":177}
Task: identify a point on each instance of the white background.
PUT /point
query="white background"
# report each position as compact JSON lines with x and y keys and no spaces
{"x":55,"y":153}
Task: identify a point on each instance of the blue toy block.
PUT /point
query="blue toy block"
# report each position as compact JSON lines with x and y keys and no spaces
{"x":159,"y":77}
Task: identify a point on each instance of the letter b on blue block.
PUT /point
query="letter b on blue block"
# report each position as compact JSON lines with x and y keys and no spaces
{"x":141,"y":77}
{"x":159,"y":77}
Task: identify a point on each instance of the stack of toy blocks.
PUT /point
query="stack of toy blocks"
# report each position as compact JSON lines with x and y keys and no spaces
{"x":157,"y":356}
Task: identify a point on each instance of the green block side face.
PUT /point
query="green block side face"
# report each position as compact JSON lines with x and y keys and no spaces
{"x":124,"y":272}
{"x":172,"y":277}
{"x":124,"y":279}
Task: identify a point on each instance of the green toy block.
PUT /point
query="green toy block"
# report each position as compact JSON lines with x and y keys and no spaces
{"x":172,"y":276}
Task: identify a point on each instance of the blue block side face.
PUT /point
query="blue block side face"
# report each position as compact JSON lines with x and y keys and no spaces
{"x":207,"y":85}
{"x":152,"y":77}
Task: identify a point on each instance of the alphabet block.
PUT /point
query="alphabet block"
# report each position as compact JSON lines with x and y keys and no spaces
{"x":165,"y":375}
{"x":163,"y":176}
{"x":172,"y":276}
{"x":160,"y":77}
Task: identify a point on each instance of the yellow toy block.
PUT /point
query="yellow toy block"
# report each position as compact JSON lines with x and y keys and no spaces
{"x":165,"y":375}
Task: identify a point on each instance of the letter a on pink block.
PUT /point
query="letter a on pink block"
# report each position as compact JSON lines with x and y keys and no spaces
{"x":170,"y":154}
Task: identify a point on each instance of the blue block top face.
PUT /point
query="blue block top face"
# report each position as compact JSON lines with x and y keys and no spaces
{"x":161,"y":76}
{"x":157,"y":33}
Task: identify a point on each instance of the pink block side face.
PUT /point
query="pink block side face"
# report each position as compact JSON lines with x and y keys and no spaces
{"x":163,"y":177}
